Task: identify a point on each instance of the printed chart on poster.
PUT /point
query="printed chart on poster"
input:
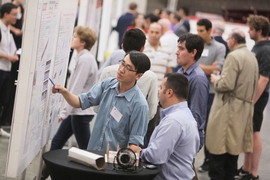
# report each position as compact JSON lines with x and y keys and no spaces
{"x":48,"y":32}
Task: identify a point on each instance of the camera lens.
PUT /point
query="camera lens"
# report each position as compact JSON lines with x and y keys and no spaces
{"x":125,"y":158}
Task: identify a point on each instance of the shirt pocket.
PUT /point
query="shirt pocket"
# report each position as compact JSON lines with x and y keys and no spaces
{"x":121,"y":126}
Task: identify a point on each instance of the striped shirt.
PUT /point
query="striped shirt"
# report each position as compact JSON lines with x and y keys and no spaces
{"x":160,"y":58}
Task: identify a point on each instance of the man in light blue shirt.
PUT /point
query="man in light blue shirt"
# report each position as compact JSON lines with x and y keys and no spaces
{"x":123,"y":110}
{"x":175,"y":141}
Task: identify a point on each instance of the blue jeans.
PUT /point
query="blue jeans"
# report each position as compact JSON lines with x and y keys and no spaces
{"x":79,"y":125}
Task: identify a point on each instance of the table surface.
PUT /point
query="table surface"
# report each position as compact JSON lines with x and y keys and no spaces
{"x":58,"y":161}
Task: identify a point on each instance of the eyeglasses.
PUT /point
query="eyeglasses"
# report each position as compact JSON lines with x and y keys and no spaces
{"x":126,"y":67}
{"x":229,"y":38}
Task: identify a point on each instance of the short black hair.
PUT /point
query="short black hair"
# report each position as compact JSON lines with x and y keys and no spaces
{"x":193,"y":41}
{"x":176,"y":16}
{"x":7,"y":8}
{"x":152,"y":17}
{"x":133,"y":39}
{"x":178,"y":83}
{"x":185,"y":9}
{"x":140,"y":61}
{"x":206,"y":23}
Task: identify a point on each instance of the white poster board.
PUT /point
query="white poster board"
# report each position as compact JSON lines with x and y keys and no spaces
{"x":45,"y":50}
{"x":90,"y":16}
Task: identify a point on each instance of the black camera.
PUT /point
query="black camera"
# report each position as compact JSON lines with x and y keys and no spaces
{"x":126,"y":158}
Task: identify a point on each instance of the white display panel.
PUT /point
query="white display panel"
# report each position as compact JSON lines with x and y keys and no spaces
{"x":45,"y":52}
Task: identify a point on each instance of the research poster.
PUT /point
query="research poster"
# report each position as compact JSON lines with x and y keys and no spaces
{"x":45,"y":51}
{"x":58,"y":75}
{"x":40,"y":86}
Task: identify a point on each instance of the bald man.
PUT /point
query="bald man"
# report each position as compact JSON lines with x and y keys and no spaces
{"x":228,"y":135}
{"x":161,"y":56}
{"x":168,"y":37}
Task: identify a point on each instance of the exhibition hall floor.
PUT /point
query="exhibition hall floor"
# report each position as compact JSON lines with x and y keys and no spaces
{"x":264,"y":172}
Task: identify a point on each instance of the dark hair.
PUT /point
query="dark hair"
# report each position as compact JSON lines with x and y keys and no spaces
{"x":133,"y":39}
{"x":159,"y":10}
{"x":193,"y":41}
{"x":168,"y":12}
{"x":178,"y":83}
{"x":259,"y":23}
{"x":176,"y":16}
{"x":6,"y":8}
{"x":134,"y":19}
{"x":206,"y":23}
{"x":140,"y":61}
{"x":186,"y":10}
{"x":133,"y":6}
{"x":152,"y":17}
{"x":238,"y":38}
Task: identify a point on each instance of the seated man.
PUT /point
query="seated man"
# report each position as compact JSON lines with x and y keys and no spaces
{"x":123,"y":110}
{"x":175,"y":141}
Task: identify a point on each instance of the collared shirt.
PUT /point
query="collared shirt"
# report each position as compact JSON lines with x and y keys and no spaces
{"x":128,"y":125}
{"x":82,"y":78}
{"x":213,"y":51}
{"x":198,"y":94}
{"x":7,"y":47}
{"x":160,"y":58}
{"x":147,"y":84}
{"x":173,"y":144}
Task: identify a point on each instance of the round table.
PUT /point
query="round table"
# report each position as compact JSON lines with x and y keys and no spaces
{"x":61,"y":167}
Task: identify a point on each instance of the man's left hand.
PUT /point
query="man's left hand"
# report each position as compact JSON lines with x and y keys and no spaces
{"x":214,"y":78}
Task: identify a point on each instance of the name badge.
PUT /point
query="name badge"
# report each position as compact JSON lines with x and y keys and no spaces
{"x":116,"y":114}
{"x":205,"y":53}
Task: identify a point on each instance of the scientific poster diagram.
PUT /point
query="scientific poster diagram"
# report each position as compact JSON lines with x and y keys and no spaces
{"x":64,"y":37}
{"x":44,"y":65}
{"x":45,"y":51}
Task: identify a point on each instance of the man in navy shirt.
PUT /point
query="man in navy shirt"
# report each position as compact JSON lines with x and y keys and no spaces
{"x":190,"y":48}
{"x":124,"y":21}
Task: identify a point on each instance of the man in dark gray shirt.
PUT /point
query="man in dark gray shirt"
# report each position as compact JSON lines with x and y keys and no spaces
{"x":258,"y":31}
